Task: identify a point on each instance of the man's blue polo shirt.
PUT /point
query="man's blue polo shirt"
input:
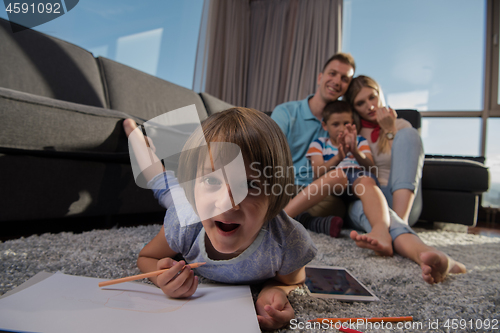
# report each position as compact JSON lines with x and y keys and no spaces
{"x":301,"y":128}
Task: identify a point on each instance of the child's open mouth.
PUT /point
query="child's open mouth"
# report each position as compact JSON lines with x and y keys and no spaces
{"x":226,"y":227}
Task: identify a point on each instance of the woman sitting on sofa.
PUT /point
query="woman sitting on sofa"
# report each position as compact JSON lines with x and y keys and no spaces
{"x":398,"y":154}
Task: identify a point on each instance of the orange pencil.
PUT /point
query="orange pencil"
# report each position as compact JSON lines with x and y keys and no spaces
{"x":348,"y":330}
{"x":368,"y":320}
{"x":143,"y":276}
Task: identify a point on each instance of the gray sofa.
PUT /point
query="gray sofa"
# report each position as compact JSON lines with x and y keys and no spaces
{"x":63,"y":152}
{"x":451,"y":186}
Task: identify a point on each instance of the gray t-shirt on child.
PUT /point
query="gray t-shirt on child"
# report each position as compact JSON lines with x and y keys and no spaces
{"x":282,"y":246}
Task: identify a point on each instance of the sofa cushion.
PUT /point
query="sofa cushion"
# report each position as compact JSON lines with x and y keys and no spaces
{"x":35,"y":63}
{"x":448,"y":174}
{"x":43,"y":124}
{"x":143,"y":95}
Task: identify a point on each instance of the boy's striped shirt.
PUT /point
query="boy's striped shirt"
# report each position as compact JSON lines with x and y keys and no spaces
{"x":324,"y":146}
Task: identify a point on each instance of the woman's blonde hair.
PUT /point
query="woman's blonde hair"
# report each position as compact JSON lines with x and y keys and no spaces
{"x":262,"y":144}
{"x":358,"y":83}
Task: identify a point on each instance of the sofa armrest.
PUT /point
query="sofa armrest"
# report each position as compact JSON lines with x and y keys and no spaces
{"x":456,"y":174}
{"x":413,"y":116}
{"x":41,"y":124}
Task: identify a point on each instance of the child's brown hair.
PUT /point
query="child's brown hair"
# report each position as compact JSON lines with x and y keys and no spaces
{"x":337,"y":107}
{"x":262,"y":144}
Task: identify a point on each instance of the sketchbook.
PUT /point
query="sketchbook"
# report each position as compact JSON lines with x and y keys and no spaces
{"x":66,"y":303}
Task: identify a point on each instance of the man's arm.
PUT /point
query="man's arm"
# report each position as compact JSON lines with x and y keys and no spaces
{"x":282,"y":117}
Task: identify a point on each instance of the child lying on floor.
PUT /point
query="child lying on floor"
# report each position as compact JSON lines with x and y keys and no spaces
{"x":242,"y":239}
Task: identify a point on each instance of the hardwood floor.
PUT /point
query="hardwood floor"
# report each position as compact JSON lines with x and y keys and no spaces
{"x":486,"y":229}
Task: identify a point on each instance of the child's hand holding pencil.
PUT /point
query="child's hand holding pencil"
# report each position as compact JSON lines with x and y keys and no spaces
{"x":177,"y":281}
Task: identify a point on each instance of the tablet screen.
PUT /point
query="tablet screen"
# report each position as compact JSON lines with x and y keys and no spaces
{"x":336,"y":282}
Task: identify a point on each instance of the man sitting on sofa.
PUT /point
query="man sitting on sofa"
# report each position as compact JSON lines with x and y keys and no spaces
{"x":301,"y":123}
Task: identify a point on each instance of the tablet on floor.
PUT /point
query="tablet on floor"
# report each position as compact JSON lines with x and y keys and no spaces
{"x":338,"y":283}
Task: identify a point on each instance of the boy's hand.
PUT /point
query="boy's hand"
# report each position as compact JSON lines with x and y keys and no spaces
{"x":351,"y":135}
{"x":342,"y":145}
{"x":273,"y":309}
{"x":351,"y":129}
{"x":178,"y":281}
{"x":341,"y":153}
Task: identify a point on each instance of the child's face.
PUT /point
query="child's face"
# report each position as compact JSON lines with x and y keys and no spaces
{"x":230,"y":228}
{"x":335,"y":125}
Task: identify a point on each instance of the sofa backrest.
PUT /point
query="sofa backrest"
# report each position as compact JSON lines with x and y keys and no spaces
{"x":213,"y":104}
{"x":413,"y":116}
{"x":38,"y":64}
{"x":142,"y":95}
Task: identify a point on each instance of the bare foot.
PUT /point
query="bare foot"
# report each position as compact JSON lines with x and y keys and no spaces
{"x":436,"y":266}
{"x":379,"y":242}
{"x":129,"y":126}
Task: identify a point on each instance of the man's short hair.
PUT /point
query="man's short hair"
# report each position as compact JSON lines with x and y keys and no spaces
{"x":335,"y":107}
{"x":345,"y":58}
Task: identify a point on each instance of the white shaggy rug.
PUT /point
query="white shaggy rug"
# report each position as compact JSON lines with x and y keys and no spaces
{"x":465,"y":301}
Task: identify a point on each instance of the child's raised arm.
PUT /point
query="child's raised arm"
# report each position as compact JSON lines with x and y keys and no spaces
{"x":320,"y":166}
{"x":178,"y":281}
{"x":273,"y":308}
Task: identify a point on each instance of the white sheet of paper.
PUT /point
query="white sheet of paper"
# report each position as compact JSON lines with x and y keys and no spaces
{"x":65,"y":303}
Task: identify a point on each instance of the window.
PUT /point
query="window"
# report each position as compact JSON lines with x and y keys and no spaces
{"x":427,"y":55}
{"x":494,"y":11}
{"x":492,"y":197}
{"x":445,"y":136}
{"x":441,"y":58}
{"x":157,"y":37}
